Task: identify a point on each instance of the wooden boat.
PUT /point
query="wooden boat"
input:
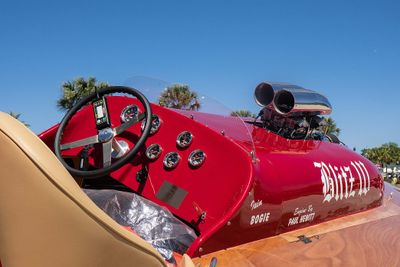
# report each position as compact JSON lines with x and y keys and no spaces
{"x":246,"y":192}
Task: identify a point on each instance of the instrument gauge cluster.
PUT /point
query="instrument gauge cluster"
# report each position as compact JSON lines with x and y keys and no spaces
{"x":129,"y":112}
{"x":155,"y":124}
{"x":171,"y":160}
{"x":184,"y":139}
{"x":153,"y":152}
{"x":197,"y":158}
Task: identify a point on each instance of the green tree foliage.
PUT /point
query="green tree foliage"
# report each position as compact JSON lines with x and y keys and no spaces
{"x":17,"y":115}
{"x":73,"y":91}
{"x":243,"y":113}
{"x":386,"y":154}
{"x":179,"y":96}
{"x":330,"y":127}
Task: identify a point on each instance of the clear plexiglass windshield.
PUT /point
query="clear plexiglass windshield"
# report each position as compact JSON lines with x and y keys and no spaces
{"x":211,"y":112}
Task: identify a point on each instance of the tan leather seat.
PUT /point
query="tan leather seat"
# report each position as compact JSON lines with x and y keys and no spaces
{"x":45,"y":218}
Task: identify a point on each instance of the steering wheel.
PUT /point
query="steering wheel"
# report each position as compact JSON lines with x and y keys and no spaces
{"x":105,"y":133}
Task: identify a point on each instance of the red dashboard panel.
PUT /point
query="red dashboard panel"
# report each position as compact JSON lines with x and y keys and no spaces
{"x":211,"y":192}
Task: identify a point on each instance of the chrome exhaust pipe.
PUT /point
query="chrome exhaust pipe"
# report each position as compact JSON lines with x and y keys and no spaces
{"x":287,"y":99}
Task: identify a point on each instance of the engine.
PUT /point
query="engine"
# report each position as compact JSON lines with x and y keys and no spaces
{"x":292,"y":111}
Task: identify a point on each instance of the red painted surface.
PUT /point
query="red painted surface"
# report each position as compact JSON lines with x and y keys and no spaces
{"x":245,"y":198}
{"x":287,"y":185}
{"x":218,"y":187}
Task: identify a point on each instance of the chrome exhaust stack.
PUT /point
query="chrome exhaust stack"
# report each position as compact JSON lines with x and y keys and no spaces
{"x":291,"y":100}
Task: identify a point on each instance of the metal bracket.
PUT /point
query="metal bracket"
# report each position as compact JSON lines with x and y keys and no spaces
{"x":213,"y":262}
{"x":97,"y":92}
{"x":304,"y":239}
{"x":141,"y":175}
{"x":84,"y":158}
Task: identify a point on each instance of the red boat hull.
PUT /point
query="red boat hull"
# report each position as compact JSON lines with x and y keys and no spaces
{"x":288,"y":191}
{"x":253,"y":184}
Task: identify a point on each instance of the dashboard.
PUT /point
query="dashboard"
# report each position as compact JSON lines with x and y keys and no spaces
{"x":199,"y":174}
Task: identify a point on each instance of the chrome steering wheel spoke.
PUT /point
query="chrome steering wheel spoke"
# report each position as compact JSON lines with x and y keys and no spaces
{"x":83,"y":142}
{"x":123,"y":127}
{"x":107,"y":149}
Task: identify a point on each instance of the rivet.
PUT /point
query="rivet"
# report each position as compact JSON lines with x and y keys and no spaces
{"x":200,"y":250}
{"x":229,"y":223}
{"x":253,"y":156}
{"x":223,"y":132}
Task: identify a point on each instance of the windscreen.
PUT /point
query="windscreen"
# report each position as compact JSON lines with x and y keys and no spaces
{"x":211,"y":112}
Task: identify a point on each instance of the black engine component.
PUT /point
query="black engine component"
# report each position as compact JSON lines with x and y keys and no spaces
{"x":293,"y":127}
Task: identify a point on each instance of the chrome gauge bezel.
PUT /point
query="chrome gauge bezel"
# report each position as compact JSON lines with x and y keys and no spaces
{"x":194,"y":162}
{"x":123,"y":115}
{"x":151,"y":148}
{"x":155,"y":124}
{"x":180,"y":139}
{"x":176,"y":159}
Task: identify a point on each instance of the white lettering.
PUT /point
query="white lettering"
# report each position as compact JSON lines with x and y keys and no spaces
{"x":260,"y":218}
{"x":310,"y":208}
{"x":299,"y":211}
{"x":293,"y":221}
{"x":255,"y":204}
{"x":302,"y":215}
{"x":307,"y":217}
{"x":338,"y":182}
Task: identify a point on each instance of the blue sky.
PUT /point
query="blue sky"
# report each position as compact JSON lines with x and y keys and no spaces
{"x":347,"y":50}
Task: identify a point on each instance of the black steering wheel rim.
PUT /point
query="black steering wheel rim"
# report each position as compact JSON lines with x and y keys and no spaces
{"x":124,"y":159}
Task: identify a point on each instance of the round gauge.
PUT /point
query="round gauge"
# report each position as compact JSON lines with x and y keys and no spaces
{"x":184,"y":139}
{"x":171,"y":160}
{"x":129,"y":112}
{"x":155,"y":124}
{"x":197,"y":158}
{"x":153,"y":151}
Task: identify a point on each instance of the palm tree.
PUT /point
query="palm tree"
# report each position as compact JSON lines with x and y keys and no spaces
{"x":17,"y":115}
{"x":243,"y":113}
{"x":374,"y":154}
{"x":330,"y":127}
{"x":386,"y":154}
{"x":73,"y":91}
{"x":179,"y":96}
{"x":392,"y":152}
